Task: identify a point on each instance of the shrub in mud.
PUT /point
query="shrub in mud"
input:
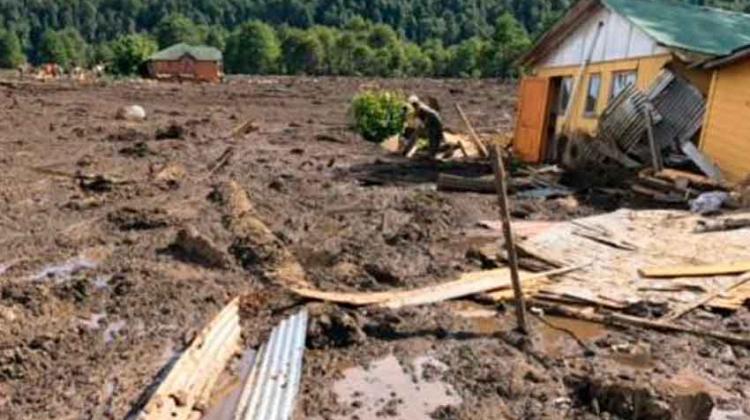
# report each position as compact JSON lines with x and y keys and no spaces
{"x":378,"y":115}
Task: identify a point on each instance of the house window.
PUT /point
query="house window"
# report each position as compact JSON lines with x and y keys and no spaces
{"x":566,"y":86}
{"x":621,"y":80}
{"x":592,"y":95}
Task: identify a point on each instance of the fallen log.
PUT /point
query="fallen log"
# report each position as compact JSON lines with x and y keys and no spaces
{"x":484,"y":184}
{"x":736,"y":267}
{"x":620,"y":320}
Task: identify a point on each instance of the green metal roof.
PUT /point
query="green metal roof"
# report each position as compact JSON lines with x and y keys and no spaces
{"x":177,"y":51}
{"x":696,"y":29}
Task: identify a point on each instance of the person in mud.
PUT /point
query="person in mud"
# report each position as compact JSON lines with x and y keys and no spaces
{"x":422,"y":121}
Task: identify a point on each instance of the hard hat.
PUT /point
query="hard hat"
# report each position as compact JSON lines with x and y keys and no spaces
{"x":413,"y":99}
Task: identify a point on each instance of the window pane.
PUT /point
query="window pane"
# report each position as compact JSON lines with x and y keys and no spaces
{"x":592,"y":96}
{"x":566,"y":85}
{"x":621,"y":80}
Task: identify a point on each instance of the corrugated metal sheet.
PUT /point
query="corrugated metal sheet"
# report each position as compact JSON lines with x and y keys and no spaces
{"x":681,"y":107}
{"x":622,"y":122}
{"x":271,"y":389}
{"x":188,"y":385}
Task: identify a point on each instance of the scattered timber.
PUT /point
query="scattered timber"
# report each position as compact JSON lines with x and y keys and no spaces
{"x":620,"y":320}
{"x":696,"y":270}
{"x":697,"y":181}
{"x":467,"y":284}
{"x":711,"y":296}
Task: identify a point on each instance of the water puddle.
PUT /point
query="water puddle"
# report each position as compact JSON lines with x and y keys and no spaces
{"x":62,"y":272}
{"x":227,"y":392}
{"x":112,"y":330}
{"x":386,"y":389}
{"x":556,"y":339}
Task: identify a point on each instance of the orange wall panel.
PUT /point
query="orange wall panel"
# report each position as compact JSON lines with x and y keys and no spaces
{"x":726,"y":131}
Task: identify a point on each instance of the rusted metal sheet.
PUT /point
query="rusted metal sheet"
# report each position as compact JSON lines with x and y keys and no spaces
{"x":271,"y":389}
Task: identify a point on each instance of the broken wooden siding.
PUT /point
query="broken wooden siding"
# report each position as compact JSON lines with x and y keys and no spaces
{"x":647,"y":69}
{"x":726,"y":133}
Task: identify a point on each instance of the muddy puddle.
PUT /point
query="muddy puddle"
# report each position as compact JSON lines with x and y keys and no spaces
{"x":385,"y":388}
{"x":61,"y":272}
{"x":227,"y":392}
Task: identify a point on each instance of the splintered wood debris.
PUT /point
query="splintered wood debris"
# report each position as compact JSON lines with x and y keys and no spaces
{"x":692,"y":265}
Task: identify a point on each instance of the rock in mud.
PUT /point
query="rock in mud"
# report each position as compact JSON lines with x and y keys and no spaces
{"x":98,"y":183}
{"x":129,"y":218}
{"x":332,"y":326}
{"x":633,"y":398}
{"x":198,"y":248}
{"x":173,"y":131}
{"x":170,"y":176}
{"x":131,"y":113}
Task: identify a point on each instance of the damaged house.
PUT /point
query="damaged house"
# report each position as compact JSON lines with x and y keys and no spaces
{"x":651,"y":80}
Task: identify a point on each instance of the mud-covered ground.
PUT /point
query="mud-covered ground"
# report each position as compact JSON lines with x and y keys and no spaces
{"x":95,"y":298}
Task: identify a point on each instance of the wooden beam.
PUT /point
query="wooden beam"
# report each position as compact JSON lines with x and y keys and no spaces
{"x":472,"y":133}
{"x":696,"y":270}
{"x":510,"y":245}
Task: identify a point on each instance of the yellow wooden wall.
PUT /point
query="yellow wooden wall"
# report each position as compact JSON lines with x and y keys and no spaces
{"x":726,"y":130}
{"x":647,"y":68}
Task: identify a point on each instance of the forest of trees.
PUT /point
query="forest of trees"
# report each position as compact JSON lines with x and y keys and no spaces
{"x":457,"y":38}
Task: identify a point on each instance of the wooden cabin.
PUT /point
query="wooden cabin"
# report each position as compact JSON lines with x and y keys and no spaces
{"x":599,"y":47}
{"x":187,"y":62}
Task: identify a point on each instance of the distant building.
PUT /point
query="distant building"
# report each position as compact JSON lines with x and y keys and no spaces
{"x":187,"y":62}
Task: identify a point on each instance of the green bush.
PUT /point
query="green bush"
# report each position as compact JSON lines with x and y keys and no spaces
{"x":378,"y":115}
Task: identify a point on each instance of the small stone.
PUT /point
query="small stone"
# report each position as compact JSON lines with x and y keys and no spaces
{"x":131,"y":113}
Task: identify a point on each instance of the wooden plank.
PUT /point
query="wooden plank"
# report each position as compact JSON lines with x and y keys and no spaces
{"x":472,"y":133}
{"x":696,"y":180}
{"x":467,"y":284}
{"x":498,"y":167}
{"x":702,"y":301}
{"x":696,"y":270}
{"x":734,"y":301}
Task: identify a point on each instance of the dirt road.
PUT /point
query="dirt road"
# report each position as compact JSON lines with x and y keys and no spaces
{"x":96,"y":297}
